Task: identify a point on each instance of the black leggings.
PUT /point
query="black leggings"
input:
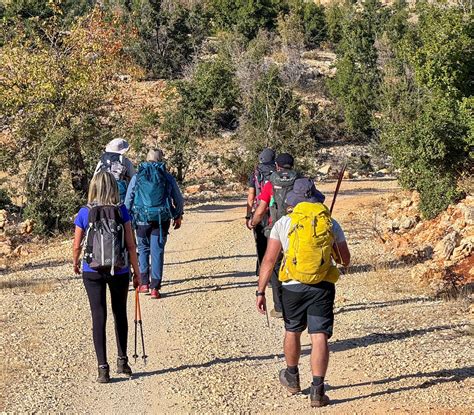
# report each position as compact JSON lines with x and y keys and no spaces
{"x":95,"y":283}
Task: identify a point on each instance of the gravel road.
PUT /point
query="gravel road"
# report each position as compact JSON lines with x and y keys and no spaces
{"x":394,"y":349}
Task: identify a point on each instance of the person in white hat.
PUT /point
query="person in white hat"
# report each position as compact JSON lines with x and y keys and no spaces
{"x":114,"y":161}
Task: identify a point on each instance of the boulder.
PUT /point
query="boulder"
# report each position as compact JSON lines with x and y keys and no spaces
{"x":445,"y":247}
{"x":3,"y":219}
{"x":5,"y":247}
{"x":405,"y":203}
{"x":325,"y":169}
{"x":407,"y":222}
{"x":383,"y":172}
{"x":347,"y":175}
{"x":465,"y":249}
{"x":191,"y":190}
{"x":26,"y":227}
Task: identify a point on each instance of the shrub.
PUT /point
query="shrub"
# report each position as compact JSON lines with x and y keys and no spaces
{"x":313,"y":21}
{"x":245,"y":16}
{"x":425,"y":124}
{"x":57,"y":117}
{"x":356,"y":84}
{"x":168,"y":35}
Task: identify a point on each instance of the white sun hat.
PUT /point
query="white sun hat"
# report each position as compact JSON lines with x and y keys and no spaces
{"x":117,"y":145}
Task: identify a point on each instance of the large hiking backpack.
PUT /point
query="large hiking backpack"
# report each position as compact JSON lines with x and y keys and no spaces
{"x":261,"y":177}
{"x":310,"y":248}
{"x":152,"y":194}
{"x":113,"y":163}
{"x":105,"y":239}
{"x":282,"y":182}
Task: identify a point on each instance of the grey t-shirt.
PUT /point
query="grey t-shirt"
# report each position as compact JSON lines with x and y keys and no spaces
{"x":281,"y":228}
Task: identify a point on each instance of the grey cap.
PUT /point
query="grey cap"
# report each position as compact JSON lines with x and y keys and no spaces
{"x":117,"y":145}
{"x":304,"y":190}
{"x":267,"y":156}
{"x":154,"y":155}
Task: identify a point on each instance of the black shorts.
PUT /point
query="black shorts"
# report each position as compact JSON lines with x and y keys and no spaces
{"x":309,"y":306}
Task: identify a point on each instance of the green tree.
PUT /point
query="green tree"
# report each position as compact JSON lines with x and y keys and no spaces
{"x":246,"y":16}
{"x":426,"y":123}
{"x":55,"y":97}
{"x":168,"y":35}
{"x":357,"y":80}
{"x":312,"y":20}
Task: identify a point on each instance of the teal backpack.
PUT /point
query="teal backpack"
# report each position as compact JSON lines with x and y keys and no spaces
{"x":152,"y":194}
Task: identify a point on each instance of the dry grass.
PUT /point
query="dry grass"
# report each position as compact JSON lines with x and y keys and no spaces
{"x":42,"y":286}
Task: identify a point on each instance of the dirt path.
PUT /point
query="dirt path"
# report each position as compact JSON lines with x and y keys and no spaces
{"x":394,"y":350}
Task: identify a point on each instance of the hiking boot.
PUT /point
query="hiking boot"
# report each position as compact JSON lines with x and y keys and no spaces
{"x":276,"y":314}
{"x":317,"y":396}
{"x":155,"y":294}
{"x":104,"y":374}
{"x":289,"y":381}
{"x":144,"y":289}
{"x":123,"y":367}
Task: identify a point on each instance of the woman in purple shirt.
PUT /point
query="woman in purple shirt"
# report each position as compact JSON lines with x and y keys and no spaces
{"x":103,"y":190}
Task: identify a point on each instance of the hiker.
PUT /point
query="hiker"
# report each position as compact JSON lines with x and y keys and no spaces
{"x":114,"y":161}
{"x":154,"y":198}
{"x":257,"y":180}
{"x":108,"y":250}
{"x":311,"y":240}
{"x":272,"y":200}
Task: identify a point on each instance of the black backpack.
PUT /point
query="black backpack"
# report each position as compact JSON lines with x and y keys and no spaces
{"x":282,"y":182}
{"x":105,"y":239}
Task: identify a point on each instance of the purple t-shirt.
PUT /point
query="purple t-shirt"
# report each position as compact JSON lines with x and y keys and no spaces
{"x":82,"y":220}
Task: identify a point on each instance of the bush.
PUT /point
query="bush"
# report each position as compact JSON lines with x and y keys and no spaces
{"x":425,"y":123}
{"x":313,"y":21}
{"x":168,"y":35}
{"x":244,"y":16}
{"x":356,"y":84}
{"x":57,"y":118}
{"x":5,"y":200}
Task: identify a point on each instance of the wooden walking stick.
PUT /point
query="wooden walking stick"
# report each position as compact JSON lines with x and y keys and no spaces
{"x":339,"y":180}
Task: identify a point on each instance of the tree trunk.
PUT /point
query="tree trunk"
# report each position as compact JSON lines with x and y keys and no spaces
{"x":77,"y":168}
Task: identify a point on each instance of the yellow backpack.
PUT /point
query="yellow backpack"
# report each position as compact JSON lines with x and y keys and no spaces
{"x":310,"y":248}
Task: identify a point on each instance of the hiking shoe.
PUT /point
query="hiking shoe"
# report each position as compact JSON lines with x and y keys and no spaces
{"x":289,"y":381}
{"x":155,"y":294}
{"x":317,"y":396}
{"x":104,"y":374}
{"x":276,"y":314}
{"x":123,"y":367}
{"x":144,"y":289}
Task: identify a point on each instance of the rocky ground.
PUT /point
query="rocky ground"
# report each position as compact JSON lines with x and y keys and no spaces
{"x":395,"y":349}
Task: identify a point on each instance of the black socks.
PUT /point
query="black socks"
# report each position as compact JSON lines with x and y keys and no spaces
{"x":318,"y":380}
{"x":293,"y":370}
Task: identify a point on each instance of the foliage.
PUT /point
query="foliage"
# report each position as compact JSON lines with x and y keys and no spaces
{"x":5,"y":200}
{"x":312,"y":21}
{"x":55,"y":96}
{"x":246,"y":17}
{"x":272,"y":118}
{"x":168,"y":34}
{"x":210,"y":93}
{"x":356,"y":84}
{"x":426,"y":122}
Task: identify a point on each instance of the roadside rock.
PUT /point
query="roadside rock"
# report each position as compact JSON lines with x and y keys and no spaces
{"x":441,"y":244}
{"x":325,"y":169}
{"x":3,"y":219}
{"x":26,"y":227}
{"x":445,"y":247}
{"x":191,"y":190}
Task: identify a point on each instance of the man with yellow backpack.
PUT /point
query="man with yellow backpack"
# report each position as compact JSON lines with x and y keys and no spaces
{"x":311,"y":242}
